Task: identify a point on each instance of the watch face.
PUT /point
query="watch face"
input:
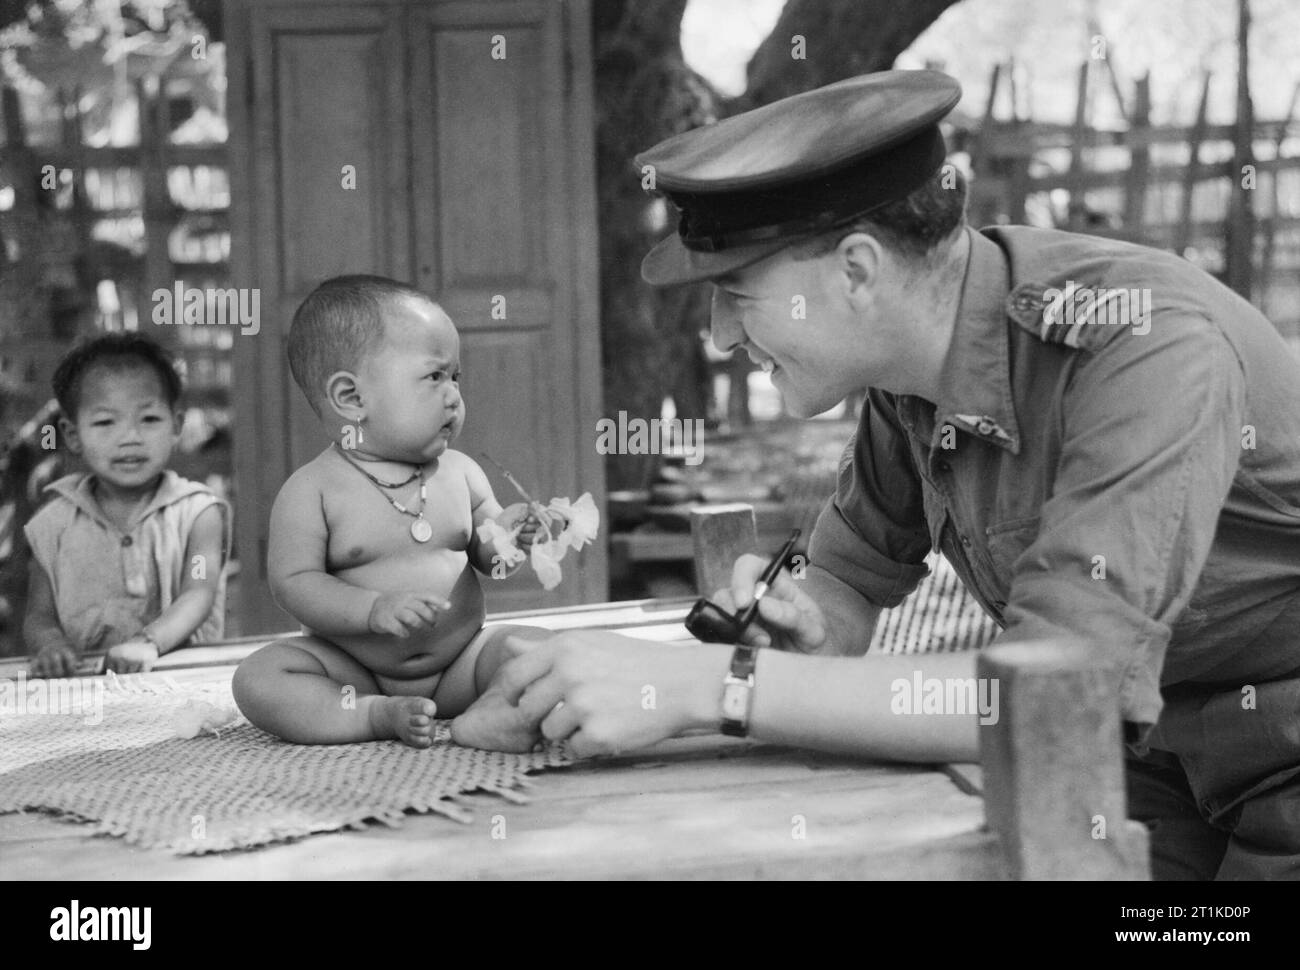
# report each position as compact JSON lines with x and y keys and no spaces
{"x":735,"y":701}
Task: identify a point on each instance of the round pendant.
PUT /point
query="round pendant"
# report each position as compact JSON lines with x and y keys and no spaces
{"x":421,"y":531}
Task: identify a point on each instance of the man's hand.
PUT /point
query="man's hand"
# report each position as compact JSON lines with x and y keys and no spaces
{"x":54,"y":660}
{"x":607,"y":693}
{"x":131,"y":657}
{"x":401,"y":614}
{"x":788,"y":619}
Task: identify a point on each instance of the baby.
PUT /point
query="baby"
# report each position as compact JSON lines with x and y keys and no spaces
{"x":128,"y":557}
{"x":374,"y":543}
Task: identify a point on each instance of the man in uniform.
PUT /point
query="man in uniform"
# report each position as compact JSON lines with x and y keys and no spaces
{"x":1102,"y":439}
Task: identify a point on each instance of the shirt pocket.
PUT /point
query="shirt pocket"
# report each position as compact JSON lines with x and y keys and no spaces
{"x":1007,"y":540}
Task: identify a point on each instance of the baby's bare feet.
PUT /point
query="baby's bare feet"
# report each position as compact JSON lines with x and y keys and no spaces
{"x":494,"y":724}
{"x":409,"y":719}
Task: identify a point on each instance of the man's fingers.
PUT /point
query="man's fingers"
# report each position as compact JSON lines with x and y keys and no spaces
{"x":516,"y":674}
{"x":540,"y":698}
{"x":561,"y":722}
{"x":744,"y":577}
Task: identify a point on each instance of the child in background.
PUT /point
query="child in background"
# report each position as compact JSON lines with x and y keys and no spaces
{"x":374,"y":543}
{"x":128,"y":557}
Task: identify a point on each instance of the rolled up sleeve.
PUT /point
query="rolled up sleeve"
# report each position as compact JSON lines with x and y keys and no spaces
{"x":872,"y":534}
{"x":1151,"y":443}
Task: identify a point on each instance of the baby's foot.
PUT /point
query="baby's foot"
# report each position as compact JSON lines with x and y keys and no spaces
{"x":494,"y":724}
{"x":409,"y":719}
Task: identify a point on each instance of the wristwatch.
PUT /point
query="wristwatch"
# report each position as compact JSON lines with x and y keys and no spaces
{"x":738,"y":691}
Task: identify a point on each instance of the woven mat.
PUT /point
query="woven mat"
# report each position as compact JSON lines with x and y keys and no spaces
{"x":129,"y":775}
{"x":941,"y":616}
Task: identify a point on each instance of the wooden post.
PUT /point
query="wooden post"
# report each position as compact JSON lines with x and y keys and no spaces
{"x":1193,"y":171}
{"x":1239,"y":234}
{"x":1053,"y":765}
{"x":1075,"y":217}
{"x":1135,"y":182}
{"x":721,"y":533}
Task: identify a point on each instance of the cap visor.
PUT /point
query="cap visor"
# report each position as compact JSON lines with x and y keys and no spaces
{"x":670,"y":262}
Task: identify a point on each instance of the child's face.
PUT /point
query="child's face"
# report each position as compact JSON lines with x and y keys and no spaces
{"x":410,"y":385}
{"x":124,"y":430}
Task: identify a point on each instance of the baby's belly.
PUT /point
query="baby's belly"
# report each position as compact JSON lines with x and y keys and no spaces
{"x":445,"y":574}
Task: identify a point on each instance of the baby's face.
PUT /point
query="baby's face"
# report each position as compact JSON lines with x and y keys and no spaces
{"x":410,"y":385}
{"x":124,"y":430}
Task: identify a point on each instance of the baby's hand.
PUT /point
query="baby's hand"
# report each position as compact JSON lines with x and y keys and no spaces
{"x":54,"y":660}
{"x":401,"y":614}
{"x":527,"y":518}
{"x":131,"y":657}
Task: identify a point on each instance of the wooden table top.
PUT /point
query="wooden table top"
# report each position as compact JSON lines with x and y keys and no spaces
{"x":697,"y":807}
{"x":694,"y":807}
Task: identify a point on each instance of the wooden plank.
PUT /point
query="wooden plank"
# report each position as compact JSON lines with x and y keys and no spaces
{"x":720,"y":534}
{"x":1135,"y":182}
{"x":695,"y":808}
{"x":1053,"y":765}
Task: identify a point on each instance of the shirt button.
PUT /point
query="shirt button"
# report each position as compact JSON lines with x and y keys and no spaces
{"x":126,"y":540}
{"x":943,"y":466}
{"x":965,"y":541}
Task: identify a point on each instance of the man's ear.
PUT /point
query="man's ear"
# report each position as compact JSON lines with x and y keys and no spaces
{"x":861,"y":258}
{"x":344,"y":396}
{"x":68,"y":429}
{"x":178,"y":420}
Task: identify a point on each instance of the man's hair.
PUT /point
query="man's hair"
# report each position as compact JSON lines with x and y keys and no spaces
{"x":337,"y":325}
{"x":119,"y":352}
{"x":913,"y":226}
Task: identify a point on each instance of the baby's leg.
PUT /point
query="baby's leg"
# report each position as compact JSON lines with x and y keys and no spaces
{"x":307,"y":690}
{"x":488,"y":719}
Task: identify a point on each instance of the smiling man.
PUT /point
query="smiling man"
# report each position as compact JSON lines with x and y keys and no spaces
{"x":1122,"y":470}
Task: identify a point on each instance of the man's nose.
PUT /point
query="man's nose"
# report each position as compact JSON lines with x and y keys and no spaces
{"x":724,"y":324}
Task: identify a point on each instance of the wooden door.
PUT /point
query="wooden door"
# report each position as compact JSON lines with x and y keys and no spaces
{"x":497,"y":216}
{"x":473,"y":178}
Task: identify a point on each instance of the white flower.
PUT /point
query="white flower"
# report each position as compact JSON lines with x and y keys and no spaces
{"x":546,"y":558}
{"x":582,"y":520}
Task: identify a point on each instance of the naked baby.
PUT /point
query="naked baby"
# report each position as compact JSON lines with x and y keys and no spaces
{"x":375,"y":542}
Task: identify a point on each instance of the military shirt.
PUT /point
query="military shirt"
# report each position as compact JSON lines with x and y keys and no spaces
{"x":1115,"y":457}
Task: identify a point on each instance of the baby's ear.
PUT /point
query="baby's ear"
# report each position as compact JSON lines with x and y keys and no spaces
{"x":344,"y":396}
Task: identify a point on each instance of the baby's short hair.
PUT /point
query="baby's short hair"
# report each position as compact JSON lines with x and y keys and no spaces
{"x":119,"y":351}
{"x":337,"y":325}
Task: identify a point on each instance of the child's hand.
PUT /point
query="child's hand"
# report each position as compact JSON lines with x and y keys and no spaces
{"x":528,"y":519}
{"x":54,"y":660}
{"x":401,"y":614}
{"x":135,"y":656}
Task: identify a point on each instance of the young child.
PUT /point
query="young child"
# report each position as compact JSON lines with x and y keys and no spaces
{"x":374,"y":543}
{"x":128,"y":557}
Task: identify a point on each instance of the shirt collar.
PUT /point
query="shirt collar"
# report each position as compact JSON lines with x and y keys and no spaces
{"x":975,"y":394}
{"x":79,"y":490}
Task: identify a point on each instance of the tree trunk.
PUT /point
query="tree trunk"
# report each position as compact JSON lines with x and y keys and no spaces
{"x":840,"y":38}
{"x":644,"y":93}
